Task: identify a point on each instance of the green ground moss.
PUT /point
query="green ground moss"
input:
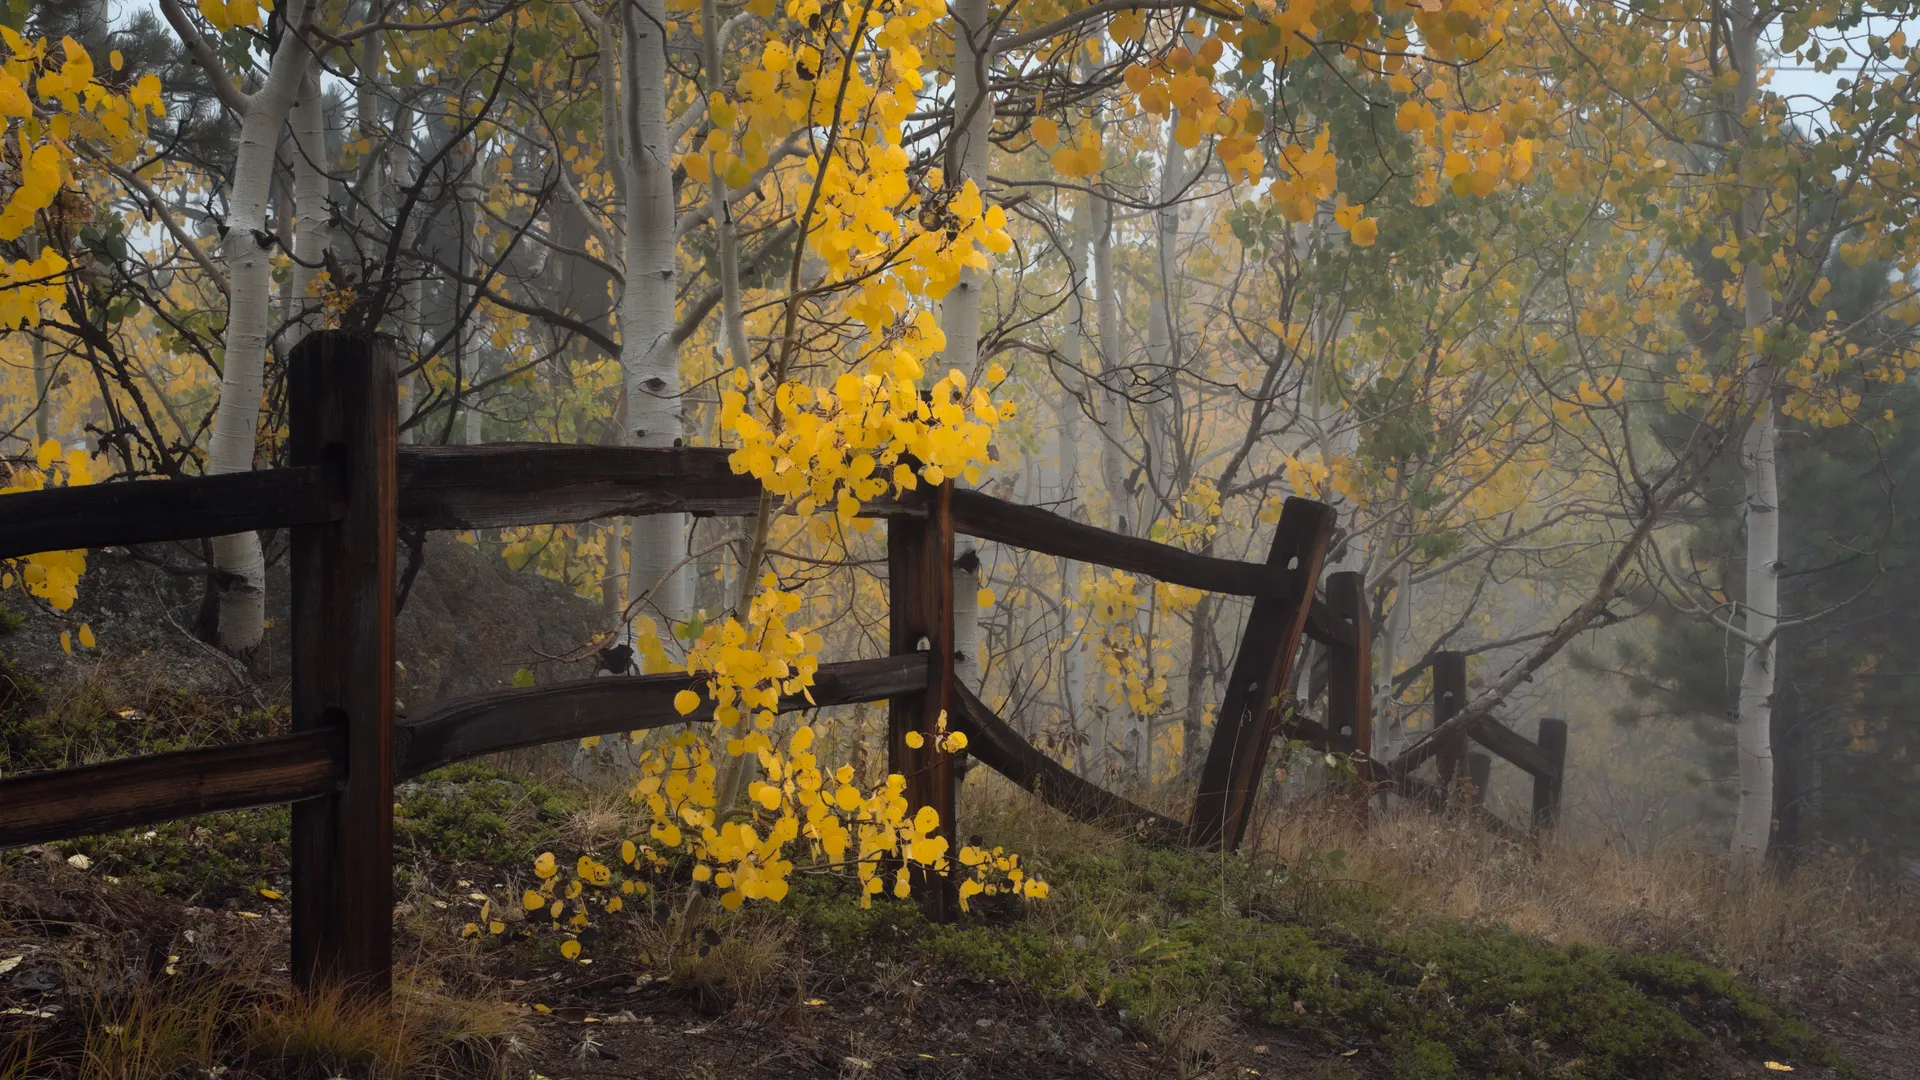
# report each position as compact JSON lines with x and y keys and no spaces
{"x":1153,"y":935}
{"x":475,"y":814}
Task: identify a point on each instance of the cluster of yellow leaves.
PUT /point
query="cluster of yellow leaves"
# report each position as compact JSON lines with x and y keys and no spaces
{"x":1135,"y":673}
{"x":53,"y":576}
{"x":824,"y":448}
{"x":234,"y":14}
{"x":1181,"y":83}
{"x":72,"y":104}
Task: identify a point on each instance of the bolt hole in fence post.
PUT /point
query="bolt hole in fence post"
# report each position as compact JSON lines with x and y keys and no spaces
{"x":342,"y":401}
{"x":920,"y":620}
{"x":1449,"y":697}
{"x":1350,"y":682}
{"x":1263,"y":666}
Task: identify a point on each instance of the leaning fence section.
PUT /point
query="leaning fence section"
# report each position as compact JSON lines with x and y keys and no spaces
{"x":349,"y":488}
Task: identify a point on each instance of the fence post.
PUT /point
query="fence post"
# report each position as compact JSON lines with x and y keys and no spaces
{"x":920,"y":593}
{"x":1261,"y":670}
{"x":1449,"y":697}
{"x":1350,"y":674}
{"x":1479,"y":774}
{"x":341,"y":395}
{"x":1546,"y":789}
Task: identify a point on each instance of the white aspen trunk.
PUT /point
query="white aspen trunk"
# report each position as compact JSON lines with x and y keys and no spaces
{"x":960,"y":308}
{"x":1114,"y":464}
{"x":727,"y":240}
{"x":1753,"y":820}
{"x":311,"y":236}
{"x":1067,"y":414}
{"x":1160,"y":329}
{"x":1112,"y":405}
{"x":649,"y":359}
{"x":250,"y":281}
{"x":42,"y":394}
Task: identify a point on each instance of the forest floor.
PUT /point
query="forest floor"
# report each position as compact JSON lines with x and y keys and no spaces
{"x":1412,"y":948}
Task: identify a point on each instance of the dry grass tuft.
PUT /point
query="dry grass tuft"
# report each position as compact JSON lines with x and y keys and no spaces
{"x":1819,"y":920}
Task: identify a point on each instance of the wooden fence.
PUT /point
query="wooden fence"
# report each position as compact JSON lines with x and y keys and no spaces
{"x":349,"y":487}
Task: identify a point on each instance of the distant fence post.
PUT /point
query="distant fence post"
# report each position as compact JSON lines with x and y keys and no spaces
{"x":1547,"y":789}
{"x":1449,"y":697}
{"x":1479,"y":774}
{"x":920,"y":593}
{"x":341,"y":395}
{"x":1261,"y":670}
{"x":1350,"y":674}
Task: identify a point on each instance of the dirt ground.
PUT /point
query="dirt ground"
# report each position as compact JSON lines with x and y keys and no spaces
{"x":68,"y":939}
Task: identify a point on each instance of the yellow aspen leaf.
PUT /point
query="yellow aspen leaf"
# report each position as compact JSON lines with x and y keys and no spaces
{"x":570,"y":949}
{"x":685,"y":702}
{"x":915,"y":740}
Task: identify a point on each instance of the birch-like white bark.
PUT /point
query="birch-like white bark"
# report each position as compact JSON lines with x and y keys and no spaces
{"x":311,"y":234}
{"x":42,"y":394}
{"x":1753,"y":736}
{"x":960,"y":308}
{"x":649,"y":359}
{"x":1069,"y":412}
{"x":247,"y":251}
{"x":1111,"y":403}
{"x":1161,"y":353}
{"x":733,"y":324}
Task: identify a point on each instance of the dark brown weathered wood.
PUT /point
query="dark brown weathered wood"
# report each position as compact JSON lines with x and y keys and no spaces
{"x":149,"y":511}
{"x":1516,"y":748}
{"x":36,"y":808}
{"x":1449,"y":695}
{"x":1547,"y":785}
{"x":1479,"y":775}
{"x":980,"y":515}
{"x":457,"y":729}
{"x":994,"y":743}
{"x":342,"y":396}
{"x":1262,"y":668}
{"x":920,"y":620}
{"x":1350,"y":673}
{"x":499,"y":485}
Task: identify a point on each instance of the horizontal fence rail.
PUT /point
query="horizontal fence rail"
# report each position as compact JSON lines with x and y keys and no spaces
{"x":149,"y":511}
{"x":460,"y":728}
{"x":37,"y":808}
{"x":994,"y":743}
{"x":501,"y":485}
{"x":984,"y":517}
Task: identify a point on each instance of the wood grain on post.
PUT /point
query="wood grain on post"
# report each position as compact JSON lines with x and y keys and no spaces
{"x":920,"y":620}
{"x":1350,"y":673}
{"x":1547,"y":787}
{"x":1449,"y":697}
{"x":1479,"y":775}
{"x":1261,"y":669}
{"x":341,"y":396}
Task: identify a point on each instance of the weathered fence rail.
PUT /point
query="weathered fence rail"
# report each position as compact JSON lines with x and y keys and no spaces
{"x":350,"y":488}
